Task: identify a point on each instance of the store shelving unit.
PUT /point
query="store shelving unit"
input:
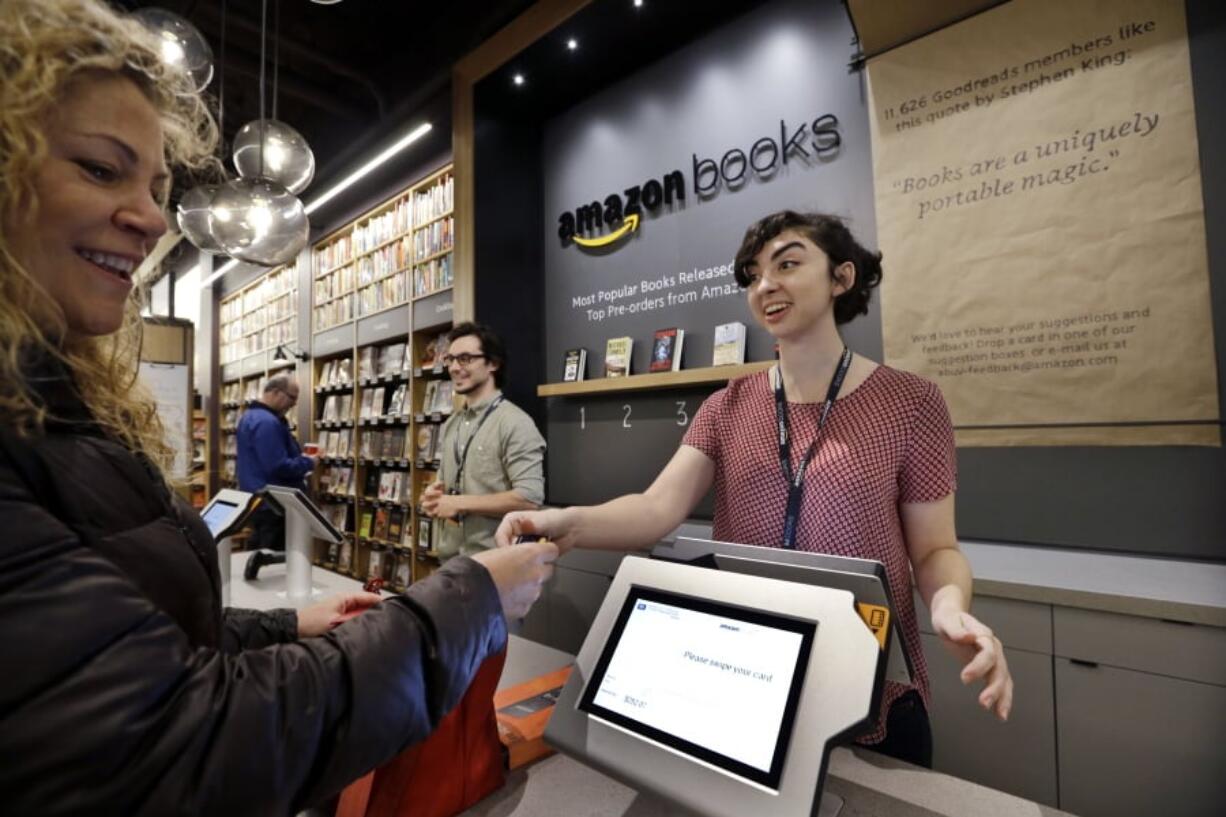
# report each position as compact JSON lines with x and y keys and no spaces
{"x":372,"y":282}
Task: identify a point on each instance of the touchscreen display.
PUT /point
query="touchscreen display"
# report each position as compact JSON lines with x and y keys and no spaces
{"x":217,"y":515}
{"x":717,"y":682}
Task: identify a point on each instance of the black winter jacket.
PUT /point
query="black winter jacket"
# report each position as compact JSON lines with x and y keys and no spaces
{"x":125,"y":688}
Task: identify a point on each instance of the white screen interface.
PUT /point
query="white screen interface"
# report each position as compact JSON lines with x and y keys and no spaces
{"x":217,"y":515}
{"x":714,"y":681}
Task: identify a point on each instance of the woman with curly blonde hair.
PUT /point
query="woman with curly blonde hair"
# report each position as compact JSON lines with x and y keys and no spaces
{"x":125,"y":688}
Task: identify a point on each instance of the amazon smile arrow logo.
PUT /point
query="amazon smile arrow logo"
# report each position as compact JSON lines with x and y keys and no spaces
{"x":628,"y":226}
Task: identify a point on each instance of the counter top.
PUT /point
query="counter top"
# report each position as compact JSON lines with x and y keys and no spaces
{"x":1150,"y":586}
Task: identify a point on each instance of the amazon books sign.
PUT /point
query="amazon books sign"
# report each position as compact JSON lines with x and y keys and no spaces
{"x":605,"y":222}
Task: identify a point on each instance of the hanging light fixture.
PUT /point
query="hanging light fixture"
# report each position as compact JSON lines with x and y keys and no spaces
{"x":257,"y":218}
{"x":182,"y":45}
{"x":193,"y":217}
{"x":286,"y":158}
{"x":193,"y":211}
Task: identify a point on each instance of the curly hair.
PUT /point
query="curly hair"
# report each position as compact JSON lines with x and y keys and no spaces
{"x":45,"y":45}
{"x":830,"y":234}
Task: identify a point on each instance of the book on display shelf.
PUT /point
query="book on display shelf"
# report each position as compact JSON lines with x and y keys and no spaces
{"x":374,"y":568}
{"x":368,"y":403}
{"x":381,"y":522}
{"x":428,"y":395}
{"x":395,"y":524}
{"x":576,"y":365}
{"x":345,"y":560}
{"x":366,"y":524}
{"x":326,"y":371}
{"x":729,"y":348}
{"x":403,"y":576}
{"x":344,"y":372}
{"x":366,"y":362}
{"x":427,"y":442}
{"x":617,"y":356}
{"x":392,"y":359}
{"x":444,"y":398}
{"x":425,"y":538}
{"x":395,"y":406}
{"x":345,"y":412}
{"x":666,"y":350}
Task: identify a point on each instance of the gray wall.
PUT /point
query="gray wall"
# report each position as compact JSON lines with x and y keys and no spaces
{"x":788,"y":60}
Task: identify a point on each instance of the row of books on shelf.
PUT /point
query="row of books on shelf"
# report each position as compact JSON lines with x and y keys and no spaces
{"x":229,"y":445}
{"x":393,"y":566}
{"x":333,"y":284}
{"x":336,"y":372}
{"x":390,"y":291}
{"x":334,"y":312}
{"x":666,"y":350}
{"x":377,"y":229}
{"x":231,"y":393}
{"x":434,"y":201}
{"x":386,"y":260}
{"x":386,"y":444}
{"x":229,"y":418}
{"x":436,"y":238}
{"x":381,"y":361}
{"x":331,"y":255}
{"x":432,"y":276}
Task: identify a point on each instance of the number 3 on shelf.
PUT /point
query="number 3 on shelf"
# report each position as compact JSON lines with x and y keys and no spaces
{"x":683,"y":419}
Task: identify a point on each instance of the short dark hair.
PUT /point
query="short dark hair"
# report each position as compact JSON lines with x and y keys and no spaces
{"x":830,"y":234}
{"x":491,"y":346}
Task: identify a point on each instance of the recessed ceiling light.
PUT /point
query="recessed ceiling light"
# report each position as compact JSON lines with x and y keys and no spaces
{"x":518,"y":79}
{"x":572,"y":44}
{"x":638,"y":4}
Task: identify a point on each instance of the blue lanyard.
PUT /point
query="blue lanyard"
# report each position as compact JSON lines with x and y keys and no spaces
{"x":796,"y":481}
{"x":462,"y":457}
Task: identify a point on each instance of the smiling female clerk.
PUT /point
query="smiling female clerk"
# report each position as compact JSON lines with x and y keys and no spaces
{"x":124,"y":687}
{"x":867,"y":469}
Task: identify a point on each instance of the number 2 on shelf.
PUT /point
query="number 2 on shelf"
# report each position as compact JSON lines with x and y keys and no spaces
{"x":626,"y":418}
{"x":682,"y":417}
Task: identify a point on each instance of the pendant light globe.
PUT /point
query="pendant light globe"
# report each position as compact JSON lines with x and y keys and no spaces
{"x":259,"y":221}
{"x":287,"y":158}
{"x":181,"y":44}
{"x":192,"y":215}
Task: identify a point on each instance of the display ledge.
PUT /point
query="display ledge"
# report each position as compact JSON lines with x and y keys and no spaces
{"x":387,"y":503}
{"x":334,"y":423}
{"x":387,"y":462}
{"x":653,"y":381}
{"x":387,"y":543}
{"x":335,"y":496}
{"x":385,"y":420}
{"x":340,"y":388}
{"x":426,"y":259}
{"x":419,"y":227}
{"x":428,"y":465}
{"x":390,"y":377}
{"x":419,"y":371}
{"x":330,"y":460}
{"x":232,"y":403}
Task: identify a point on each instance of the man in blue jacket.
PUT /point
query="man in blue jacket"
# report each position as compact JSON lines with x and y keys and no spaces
{"x":268,"y":454}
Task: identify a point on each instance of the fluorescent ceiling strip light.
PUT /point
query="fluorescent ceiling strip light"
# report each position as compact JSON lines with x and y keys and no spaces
{"x":355,"y":176}
{"x":226,"y":267}
{"x":342,"y":186}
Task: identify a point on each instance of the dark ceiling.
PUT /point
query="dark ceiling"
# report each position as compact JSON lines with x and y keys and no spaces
{"x":348,"y":73}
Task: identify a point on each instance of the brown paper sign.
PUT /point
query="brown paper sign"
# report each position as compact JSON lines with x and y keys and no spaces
{"x":1039,"y":209}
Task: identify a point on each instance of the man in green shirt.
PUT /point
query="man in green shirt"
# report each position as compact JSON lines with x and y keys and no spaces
{"x":492,"y":453}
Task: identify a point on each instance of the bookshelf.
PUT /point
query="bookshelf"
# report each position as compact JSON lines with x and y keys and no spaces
{"x":398,"y":252}
{"x":371,"y":405}
{"x":259,"y":316}
{"x":380,"y":295}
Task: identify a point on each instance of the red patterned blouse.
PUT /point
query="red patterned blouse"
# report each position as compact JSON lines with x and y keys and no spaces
{"x":890,"y":441}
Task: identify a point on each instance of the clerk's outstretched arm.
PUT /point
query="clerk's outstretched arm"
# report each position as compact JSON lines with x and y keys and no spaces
{"x":630,"y":522}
